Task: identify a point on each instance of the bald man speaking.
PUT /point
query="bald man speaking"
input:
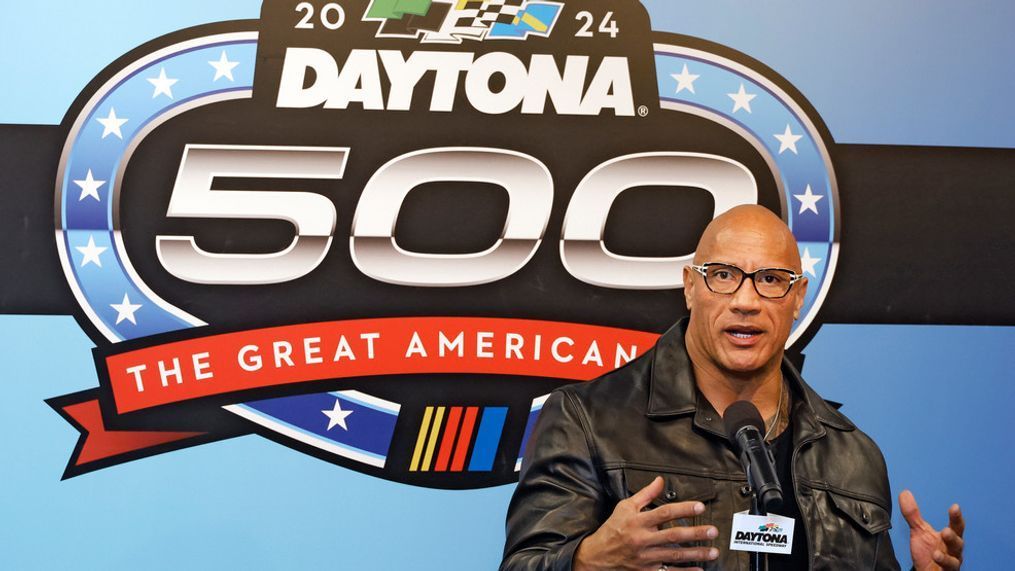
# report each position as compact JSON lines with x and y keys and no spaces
{"x":634,"y":470}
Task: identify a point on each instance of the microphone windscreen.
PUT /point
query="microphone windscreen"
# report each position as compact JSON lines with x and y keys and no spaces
{"x":740,"y":414}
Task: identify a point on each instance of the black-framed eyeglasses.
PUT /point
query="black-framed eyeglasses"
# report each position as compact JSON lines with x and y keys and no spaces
{"x":726,"y":279}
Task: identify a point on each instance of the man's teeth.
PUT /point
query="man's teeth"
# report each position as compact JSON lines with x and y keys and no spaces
{"x":742,"y":335}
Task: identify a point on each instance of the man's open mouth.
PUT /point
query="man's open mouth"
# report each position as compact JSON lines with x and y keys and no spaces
{"x":743,"y":332}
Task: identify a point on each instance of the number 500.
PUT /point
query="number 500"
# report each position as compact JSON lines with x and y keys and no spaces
{"x":372,"y":236}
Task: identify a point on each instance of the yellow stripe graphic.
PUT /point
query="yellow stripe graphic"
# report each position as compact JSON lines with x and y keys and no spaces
{"x":434,"y":431}
{"x":535,"y":23}
{"x":421,"y":439}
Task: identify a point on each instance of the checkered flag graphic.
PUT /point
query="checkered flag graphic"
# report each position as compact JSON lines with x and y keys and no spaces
{"x":486,"y":13}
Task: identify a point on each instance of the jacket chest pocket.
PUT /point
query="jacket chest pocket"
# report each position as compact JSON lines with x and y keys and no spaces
{"x":678,"y":487}
{"x":849,"y":531}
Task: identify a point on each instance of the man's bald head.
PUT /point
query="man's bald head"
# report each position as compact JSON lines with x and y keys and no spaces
{"x":742,"y":334}
{"x":749,"y":227}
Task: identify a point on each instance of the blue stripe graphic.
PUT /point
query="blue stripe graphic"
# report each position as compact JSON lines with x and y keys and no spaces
{"x":488,"y":438}
{"x":529,"y":424}
{"x":369,"y":429}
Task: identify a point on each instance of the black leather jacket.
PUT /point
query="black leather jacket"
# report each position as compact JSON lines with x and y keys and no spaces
{"x":597,"y":443}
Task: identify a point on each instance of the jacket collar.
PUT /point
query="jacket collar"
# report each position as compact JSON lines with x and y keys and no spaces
{"x":672,"y":391}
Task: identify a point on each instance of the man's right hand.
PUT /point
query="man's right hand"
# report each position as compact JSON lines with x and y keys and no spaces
{"x":631,"y":538}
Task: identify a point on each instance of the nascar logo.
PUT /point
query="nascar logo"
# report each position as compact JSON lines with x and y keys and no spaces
{"x":452,"y":21}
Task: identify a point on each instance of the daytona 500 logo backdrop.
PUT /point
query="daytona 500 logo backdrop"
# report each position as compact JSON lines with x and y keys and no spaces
{"x":381,"y":232}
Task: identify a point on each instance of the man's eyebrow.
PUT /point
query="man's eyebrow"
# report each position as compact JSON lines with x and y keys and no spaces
{"x":787,"y":267}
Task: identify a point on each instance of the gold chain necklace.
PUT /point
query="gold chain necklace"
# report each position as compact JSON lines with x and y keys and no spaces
{"x":778,"y":409}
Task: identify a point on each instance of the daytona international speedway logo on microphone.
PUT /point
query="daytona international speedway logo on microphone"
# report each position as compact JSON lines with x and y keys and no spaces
{"x":381,"y":232}
{"x":762,"y":533}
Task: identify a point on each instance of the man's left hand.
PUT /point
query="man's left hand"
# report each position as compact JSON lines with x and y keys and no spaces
{"x":932,"y":549}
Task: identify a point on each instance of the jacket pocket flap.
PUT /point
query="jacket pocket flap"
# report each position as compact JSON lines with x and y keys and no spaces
{"x":678,"y":487}
{"x":866,"y":514}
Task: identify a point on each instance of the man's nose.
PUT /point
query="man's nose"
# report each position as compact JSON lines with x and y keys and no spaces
{"x":746,"y":298}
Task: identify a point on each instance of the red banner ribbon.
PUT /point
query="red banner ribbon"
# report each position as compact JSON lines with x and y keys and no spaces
{"x":99,"y":446}
{"x":259,"y":358}
{"x":103,"y":443}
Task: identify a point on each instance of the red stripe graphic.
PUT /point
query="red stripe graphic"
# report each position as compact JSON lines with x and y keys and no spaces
{"x":450,"y":430}
{"x":465,"y":439}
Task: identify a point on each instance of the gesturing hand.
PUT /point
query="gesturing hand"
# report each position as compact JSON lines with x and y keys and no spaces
{"x":931,"y":549}
{"x":631,"y":539}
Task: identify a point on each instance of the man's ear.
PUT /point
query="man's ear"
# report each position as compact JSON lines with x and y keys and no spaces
{"x":688,"y":286}
{"x":801,"y":294}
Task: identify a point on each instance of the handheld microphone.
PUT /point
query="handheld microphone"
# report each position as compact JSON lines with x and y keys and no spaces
{"x":744,"y":428}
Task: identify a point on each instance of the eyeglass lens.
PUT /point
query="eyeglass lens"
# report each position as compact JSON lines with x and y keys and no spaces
{"x":727,"y":279}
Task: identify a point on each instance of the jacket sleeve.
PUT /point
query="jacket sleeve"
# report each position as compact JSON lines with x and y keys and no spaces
{"x":886,"y":560}
{"x":559,"y":499}
{"x":886,"y":555}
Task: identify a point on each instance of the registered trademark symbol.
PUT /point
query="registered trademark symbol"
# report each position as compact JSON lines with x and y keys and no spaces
{"x":642,"y":110}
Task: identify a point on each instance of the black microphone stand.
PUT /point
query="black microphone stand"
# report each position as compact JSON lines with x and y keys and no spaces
{"x":757,"y":562}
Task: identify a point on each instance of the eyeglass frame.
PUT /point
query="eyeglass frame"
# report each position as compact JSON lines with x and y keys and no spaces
{"x":703,"y":271}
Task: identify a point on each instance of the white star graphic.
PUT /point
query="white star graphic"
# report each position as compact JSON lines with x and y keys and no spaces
{"x":787,"y":140}
{"x":89,"y":186}
{"x":91,"y":252}
{"x":685,"y":80}
{"x":223,"y":67}
{"x":163,"y":84}
{"x":111,"y":124}
{"x":808,"y":200}
{"x":337,"y":416}
{"x":741,"y":99}
{"x":809,"y":263}
{"x":125,"y":310}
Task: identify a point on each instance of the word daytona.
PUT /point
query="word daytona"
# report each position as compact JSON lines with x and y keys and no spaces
{"x":757,"y":537}
{"x":359,"y":81}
